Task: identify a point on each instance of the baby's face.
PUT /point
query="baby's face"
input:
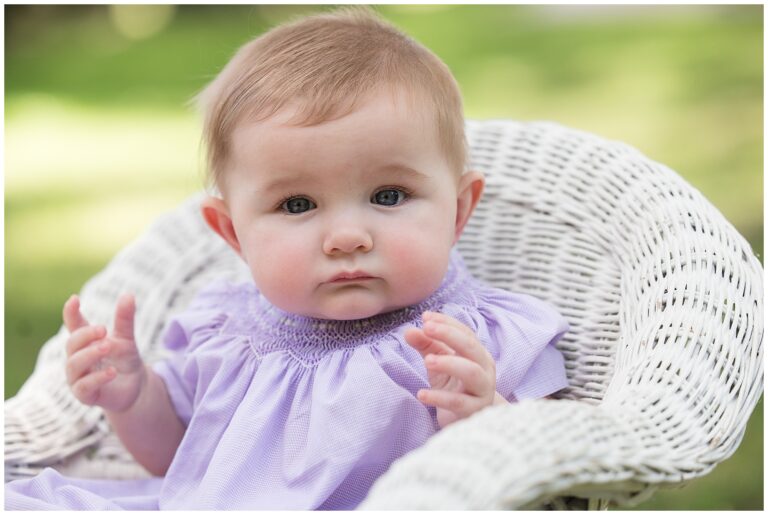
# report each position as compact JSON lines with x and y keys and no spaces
{"x":346,"y":219}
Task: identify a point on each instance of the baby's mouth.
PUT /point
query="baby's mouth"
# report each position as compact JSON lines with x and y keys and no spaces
{"x":352,"y":276}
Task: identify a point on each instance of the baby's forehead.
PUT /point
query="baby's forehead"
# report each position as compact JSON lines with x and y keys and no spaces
{"x":387,"y":101}
{"x":341,"y":165}
{"x":379,"y":131}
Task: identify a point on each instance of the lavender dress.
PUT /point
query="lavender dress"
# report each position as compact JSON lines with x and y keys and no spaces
{"x":288,"y":412}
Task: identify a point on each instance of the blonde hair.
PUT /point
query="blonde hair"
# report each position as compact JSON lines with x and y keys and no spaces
{"x":327,"y":63}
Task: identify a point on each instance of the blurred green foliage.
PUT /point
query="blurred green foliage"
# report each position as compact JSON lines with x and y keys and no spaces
{"x":99,"y":137}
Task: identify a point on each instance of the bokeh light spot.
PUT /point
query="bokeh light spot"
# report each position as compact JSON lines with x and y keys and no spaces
{"x":141,"y":21}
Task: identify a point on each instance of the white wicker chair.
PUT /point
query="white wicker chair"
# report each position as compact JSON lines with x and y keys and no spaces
{"x":664,"y":356}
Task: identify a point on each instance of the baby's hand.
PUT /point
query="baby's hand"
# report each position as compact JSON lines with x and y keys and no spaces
{"x":103,"y":370}
{"x":460,"y":370}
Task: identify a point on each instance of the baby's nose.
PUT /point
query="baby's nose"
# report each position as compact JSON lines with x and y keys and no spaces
{"x":346,"y":240}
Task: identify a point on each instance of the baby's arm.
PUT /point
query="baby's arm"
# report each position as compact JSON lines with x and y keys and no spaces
{"x":150,"y":428}
{"x":107,"y":370}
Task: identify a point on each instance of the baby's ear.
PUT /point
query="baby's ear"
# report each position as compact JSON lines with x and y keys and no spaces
{"x":216,"y":215}
{"x":471,"y":186}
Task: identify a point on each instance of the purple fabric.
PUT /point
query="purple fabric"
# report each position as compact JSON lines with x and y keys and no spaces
{"x":288,"y":412}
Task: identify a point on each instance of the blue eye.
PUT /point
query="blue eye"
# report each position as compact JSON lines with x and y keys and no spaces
{"x":297,"y":205}
{"x":388,"y":197}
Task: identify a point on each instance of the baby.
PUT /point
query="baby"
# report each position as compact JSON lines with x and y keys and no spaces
{"x":336,"y":148}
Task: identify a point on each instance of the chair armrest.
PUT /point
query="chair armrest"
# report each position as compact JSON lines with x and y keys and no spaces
{"x":526,"y":455}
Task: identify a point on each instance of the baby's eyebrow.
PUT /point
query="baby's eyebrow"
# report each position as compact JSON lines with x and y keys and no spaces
{"x":283,"y":182}
{"x":302,"y":180}
{"x":403,"y":170}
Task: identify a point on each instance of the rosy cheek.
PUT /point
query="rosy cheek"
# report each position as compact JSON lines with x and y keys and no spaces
{"x":417,"y":264}
{"x":281,"y":271}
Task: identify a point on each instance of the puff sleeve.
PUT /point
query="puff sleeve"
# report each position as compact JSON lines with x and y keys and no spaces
{"x":185,"y":334}
{"x":520,"y":332}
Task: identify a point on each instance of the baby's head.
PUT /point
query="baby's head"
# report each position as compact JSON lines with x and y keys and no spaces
{"x":337,"y":144}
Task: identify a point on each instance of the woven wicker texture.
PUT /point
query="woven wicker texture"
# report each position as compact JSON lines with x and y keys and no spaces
{"x":664,"y":356}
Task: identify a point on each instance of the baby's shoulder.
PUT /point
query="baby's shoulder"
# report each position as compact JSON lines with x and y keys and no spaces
{"x":485,"y":308}
{"x":206,"y":318}
{"x":483,"y":299}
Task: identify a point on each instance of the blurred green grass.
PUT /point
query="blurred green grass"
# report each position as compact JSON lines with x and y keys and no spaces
{"x":99,"y":138}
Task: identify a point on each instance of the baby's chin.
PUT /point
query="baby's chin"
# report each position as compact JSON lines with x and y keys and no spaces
{"x":352,"y":309}
{"x":354,"y":312}
{"x":350,"y":303}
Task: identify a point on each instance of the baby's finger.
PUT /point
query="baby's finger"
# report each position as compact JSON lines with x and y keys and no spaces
{"x":124,"y":313}
{"x":84,"y":360}
{"x":423,"y":344}
{"x":474,"y":378}
{"x":446,"y":319}
{"x":84,"y":336}
{"x":88,"y":388}
{"x":461,"y":404}
{"x":464,"y":344}
{"x":73,"y":319}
